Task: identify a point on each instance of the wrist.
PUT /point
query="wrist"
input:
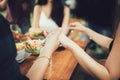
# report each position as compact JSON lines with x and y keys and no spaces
{"x":45,"y":57}
{"x":45,"y":52}
{"x":72,"y":45}
{"x":88,"y":31}
{"x":85,"y":29}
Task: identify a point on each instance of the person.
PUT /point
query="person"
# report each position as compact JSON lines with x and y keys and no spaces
{"x":24,"y":22}
{"x":49,"y":15}
{"x":9,"y":68}
{"x":22,"y":17}
{"x":111,"y":69}
{"x":99,"y":16}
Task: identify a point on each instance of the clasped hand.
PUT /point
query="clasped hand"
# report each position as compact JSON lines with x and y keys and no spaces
{"x":56,"y":37}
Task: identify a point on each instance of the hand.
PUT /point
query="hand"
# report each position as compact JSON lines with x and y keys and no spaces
{"x":52,"y":42}
{"x":65,"y":41}
{"x":77,"y":26}
{"x":47,"y":32}
{"x":33,"y":31}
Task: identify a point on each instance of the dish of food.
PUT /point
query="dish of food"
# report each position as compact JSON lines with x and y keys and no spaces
{"x":33,"y":46}
{"x":36,"y":36}
{"x":27,"y":45}
{"x":21,"y":53}
{"x":20,"y":46}
{"x":19,"y":37}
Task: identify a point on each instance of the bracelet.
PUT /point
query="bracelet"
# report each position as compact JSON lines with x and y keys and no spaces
{"x":44,"y":57}
{"x":90,"y":37}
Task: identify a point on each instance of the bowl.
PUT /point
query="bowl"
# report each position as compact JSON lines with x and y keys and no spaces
{"x":22,"y":55}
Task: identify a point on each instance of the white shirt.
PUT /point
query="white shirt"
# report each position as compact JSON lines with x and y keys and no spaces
{"x":46,"y":23}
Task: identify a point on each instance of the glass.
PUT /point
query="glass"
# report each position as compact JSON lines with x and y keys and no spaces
{"x":15,"y":27}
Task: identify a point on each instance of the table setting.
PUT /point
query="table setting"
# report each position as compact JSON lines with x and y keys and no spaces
{"x":27,"y":45}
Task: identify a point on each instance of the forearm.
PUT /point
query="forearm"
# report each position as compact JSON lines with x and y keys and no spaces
{"x":35,"y":23}
{"x":66,"y":20}
{"x":98,"y":38}
{"x":38,"y":69}
{"x":65,"y":30}
{"x":36,"y":16}
{"x":89,"y":64}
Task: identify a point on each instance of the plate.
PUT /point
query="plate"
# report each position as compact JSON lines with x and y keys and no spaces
{"x":22,"y":55}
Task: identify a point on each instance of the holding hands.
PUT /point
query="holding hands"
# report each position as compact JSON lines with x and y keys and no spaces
{"x":56,"y":37}
{"x":52,"y":42}
{"x":65,"y":41}
{"x":33,"y":31}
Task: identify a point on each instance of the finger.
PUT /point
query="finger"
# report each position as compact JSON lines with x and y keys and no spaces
{"x":72,"y":28}
{"x":72,"y":24}
{"x":62,"y":39}
{"x":45,"y":33}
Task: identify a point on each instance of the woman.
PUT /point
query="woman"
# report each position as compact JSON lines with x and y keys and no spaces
{"x":49,"y":15}
{"x":111,"y":69}
{"x":9,"y":68}
{"x":21,"y":17}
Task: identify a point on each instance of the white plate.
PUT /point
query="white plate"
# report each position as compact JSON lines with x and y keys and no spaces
{"x":22,"y":55}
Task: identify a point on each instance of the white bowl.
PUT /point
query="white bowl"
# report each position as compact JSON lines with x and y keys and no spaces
{"x":22,"y":55}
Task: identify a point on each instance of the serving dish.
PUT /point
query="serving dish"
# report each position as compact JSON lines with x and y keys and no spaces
{"x":22,"y":55}
{"x":27,"y":45}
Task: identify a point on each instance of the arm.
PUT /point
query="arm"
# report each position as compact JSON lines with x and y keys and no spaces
{"x":38,"y":69}
{"x":35,"y":22}
{"x":65,"y":20}
{"x":110,"y":71}
{"x":36,"y":16}
{"x":98,"y":38}
{"x":113,"y":61}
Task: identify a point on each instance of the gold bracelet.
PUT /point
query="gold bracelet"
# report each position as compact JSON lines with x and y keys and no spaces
{"x":44,"y":57}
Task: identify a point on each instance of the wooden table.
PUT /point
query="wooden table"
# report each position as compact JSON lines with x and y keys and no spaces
{"x":63,"y":64}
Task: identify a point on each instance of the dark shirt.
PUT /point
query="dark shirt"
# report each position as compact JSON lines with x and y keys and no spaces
{"x":9,"y":68}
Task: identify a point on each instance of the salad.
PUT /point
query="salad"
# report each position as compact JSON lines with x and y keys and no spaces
{"x":33,"y":46}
